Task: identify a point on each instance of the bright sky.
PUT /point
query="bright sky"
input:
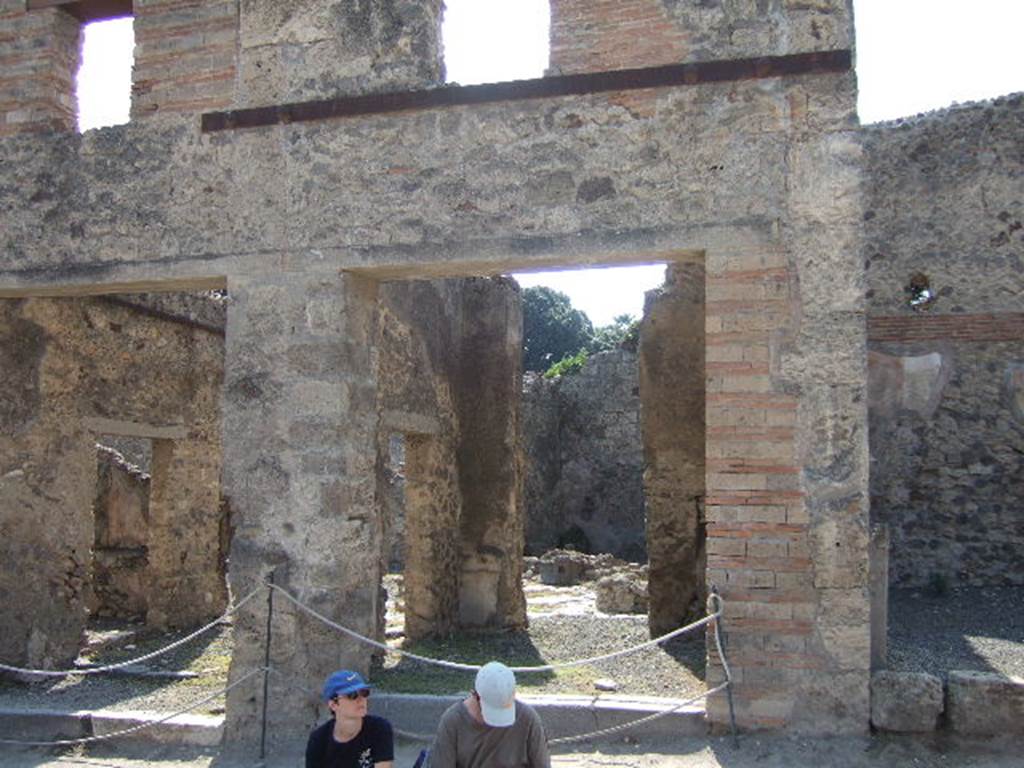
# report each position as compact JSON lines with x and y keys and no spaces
{"x":912,"y":56}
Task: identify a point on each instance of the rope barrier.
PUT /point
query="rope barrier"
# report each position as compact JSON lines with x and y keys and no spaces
{"x":634,"y":723}
{"x":475,"y":667}
{"x":146,"y":657}
{"x":134,"y":728}
{"x":714,"y":607}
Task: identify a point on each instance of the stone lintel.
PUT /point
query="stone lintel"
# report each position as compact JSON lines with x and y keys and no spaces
{"x":136,"y":429}
{"x":410,"y":423}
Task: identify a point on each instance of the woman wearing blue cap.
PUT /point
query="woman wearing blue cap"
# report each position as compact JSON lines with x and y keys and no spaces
{"x":352,"y":739}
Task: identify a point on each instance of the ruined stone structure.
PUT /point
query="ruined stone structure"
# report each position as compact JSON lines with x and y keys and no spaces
{"x":584,"y":459}
{"x":944,"y":207}
{"x":749,"y":170}
{"x":75,"y":371}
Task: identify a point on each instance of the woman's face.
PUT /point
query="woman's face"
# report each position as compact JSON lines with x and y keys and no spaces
{"x":345,"y":707}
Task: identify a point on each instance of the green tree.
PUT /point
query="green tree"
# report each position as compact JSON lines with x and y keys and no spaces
{"x":623,"y":331}
{"x":552,"y":328}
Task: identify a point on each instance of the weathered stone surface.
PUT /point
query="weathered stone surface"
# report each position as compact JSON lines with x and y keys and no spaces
{"x":905,"y":701}
{"x":985,"y":704}
{"x":581,"y":437}
{"x":672,"y":389}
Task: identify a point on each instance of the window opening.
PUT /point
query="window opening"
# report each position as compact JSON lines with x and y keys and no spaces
{"x":104,"y":79}
{"x":490,"y":41}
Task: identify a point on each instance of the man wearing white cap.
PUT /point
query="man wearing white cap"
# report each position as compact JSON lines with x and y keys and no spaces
{"x":489,"y":728}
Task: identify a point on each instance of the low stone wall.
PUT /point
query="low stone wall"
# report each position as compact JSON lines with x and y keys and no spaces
{"x":584,"y":458}
{"x":969,"y":704}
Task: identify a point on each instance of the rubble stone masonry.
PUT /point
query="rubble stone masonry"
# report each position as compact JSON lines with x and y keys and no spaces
{"x":944,"y":203}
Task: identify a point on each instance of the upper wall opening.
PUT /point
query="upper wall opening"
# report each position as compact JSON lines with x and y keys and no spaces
{"x":104,"y":81}
{"x":490,"y":41}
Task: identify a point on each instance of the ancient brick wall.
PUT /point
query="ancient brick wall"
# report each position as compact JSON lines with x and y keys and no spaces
{"x":597,"y":35}
{"x":584,"y":459}
{"x":76,"y":369}
{"x":38,"y":61}
{"x":185,"y":56}
{"x":947,"y":430}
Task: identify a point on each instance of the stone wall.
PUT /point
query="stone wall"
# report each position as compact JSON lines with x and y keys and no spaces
{"x":581,"y":437}
{"x":75,"y":369}
{"x":947,"y":431}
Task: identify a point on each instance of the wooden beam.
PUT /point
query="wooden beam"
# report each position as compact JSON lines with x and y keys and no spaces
{"x":86,"y":10}
{"x":672,"y":75}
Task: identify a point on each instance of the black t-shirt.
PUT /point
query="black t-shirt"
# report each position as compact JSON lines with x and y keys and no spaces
{"x":373,"y":744}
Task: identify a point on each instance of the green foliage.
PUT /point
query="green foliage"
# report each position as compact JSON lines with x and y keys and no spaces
{"x":568,"y":364}
{"x":623,"y":331}
{"x":552,"y":328}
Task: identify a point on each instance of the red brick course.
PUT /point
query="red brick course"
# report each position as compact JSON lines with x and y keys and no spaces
{"x":1007,"y":326}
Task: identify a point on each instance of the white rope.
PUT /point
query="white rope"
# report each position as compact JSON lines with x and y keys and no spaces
{"x":147,"y":657}
{"x":634,"y":723}
{"x":134,"y":728}
{"x":474,"y":667}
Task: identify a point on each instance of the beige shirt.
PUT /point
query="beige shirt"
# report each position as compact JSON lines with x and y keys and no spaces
{"x":462,"y":742}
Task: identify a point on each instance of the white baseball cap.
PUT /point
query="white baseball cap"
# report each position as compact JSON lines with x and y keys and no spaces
{"x":496,"y":687}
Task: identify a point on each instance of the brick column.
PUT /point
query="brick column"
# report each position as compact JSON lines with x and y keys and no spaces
{"x":39,"y":54}
{"x":185,"y":56}
{"x":299,"y":468}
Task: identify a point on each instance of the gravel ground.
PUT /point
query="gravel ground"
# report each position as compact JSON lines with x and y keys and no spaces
{"x":969,"y":628}
{"x":208,"y":656}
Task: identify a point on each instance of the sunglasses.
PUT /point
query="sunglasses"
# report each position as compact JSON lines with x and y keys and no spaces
{"x":362,"y":693}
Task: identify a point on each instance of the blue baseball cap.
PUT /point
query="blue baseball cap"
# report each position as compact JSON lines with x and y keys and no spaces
{"x":343,"y":681}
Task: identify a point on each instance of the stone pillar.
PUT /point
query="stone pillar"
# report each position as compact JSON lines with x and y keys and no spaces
{"x":672,"y":417}
{"x":185,"y":575}
{"x":299,"y":469}
{"x":490,"y":475}
{"x":432,"y":507}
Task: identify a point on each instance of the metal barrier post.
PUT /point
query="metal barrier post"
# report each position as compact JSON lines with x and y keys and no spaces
{"x":266,"y":666}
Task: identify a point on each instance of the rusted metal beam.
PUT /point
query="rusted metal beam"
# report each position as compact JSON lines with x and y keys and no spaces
{"x":86,"y":10}
{"x":695,"y":73}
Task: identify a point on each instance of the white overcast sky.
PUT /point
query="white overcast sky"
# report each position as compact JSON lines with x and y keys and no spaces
{"x":912,"y":56}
